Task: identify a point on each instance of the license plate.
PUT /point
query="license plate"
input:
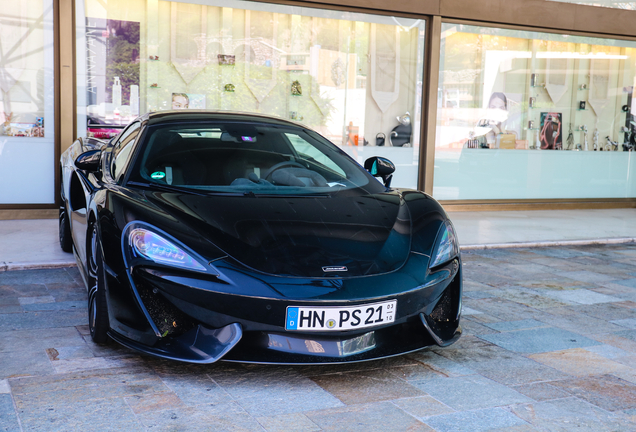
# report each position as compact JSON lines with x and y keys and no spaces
{"x":316,"y":318}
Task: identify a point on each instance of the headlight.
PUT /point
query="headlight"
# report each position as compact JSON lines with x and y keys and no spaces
{"x":447,"y":247}
{"x":150,"y":245}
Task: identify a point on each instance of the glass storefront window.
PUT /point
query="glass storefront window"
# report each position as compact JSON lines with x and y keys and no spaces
{"x":355,"y":78}
{"x":529,"y":115}
{"x":26,"y":103}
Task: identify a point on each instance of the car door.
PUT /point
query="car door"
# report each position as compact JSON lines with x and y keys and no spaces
{"x":79,"y":216}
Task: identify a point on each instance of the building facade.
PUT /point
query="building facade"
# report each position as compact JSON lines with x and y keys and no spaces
{"x":483,"y":104}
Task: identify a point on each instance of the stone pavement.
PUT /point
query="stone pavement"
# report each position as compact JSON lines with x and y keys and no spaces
{"x":549,"y":344}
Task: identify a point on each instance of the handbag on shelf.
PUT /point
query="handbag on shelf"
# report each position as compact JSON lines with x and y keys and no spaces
{"x":507,"y":141}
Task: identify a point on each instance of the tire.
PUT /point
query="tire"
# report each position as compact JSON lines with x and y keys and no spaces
{"x":66,"y":241}
{"x":97,"y":309}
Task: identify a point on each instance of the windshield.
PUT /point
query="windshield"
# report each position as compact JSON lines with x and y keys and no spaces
{"x":247,"y":157}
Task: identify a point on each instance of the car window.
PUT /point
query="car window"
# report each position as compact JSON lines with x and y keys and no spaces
{"x":246,"y":157}
{"x":122,"y":150}
{"x":309,"y":152}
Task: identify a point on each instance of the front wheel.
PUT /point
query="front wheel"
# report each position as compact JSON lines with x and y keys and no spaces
{"x":97,"y":310}
{"x":66,"y":242}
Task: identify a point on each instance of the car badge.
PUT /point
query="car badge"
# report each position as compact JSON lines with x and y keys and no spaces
{"x":334,"y":269}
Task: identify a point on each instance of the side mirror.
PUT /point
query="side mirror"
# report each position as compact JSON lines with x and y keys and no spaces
{"x":89,"y":161}
{"x":380,"y":167}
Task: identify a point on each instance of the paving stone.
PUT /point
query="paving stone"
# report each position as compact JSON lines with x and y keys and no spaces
{"x":618,"y":342}
{"x":422,"y":407}
{"x":144,"y":403}
{"x":469,"y":311}
{"x":475,"y":421}
{"x":388,"y":363}
{"x":217,"y":417}
{"x":490,"y":278}
{"x":196,"y":390}
{"x":578,"y":362}
{"x":82,"y":364}
{"x":505,"y":309}
{"x":4,"y":386}
{"x":608,"y":351}
{"x":72,"y":395}
{"x":627,"y":334}
{"x":416,"y":372}
{"x":514,"y":371}
{"x":29,"y":277}
{"x":43,"y":319}
{"x":558,"y":263}
{"x":471,"y":285}
{"x":24,"y":363}
{"x":98,"y":379}
{"x":478,"y":295}
{"x":37,"y":299}
{"x":539,"y":340}
{"x":515,"y":325}
{"x":468,"y":350}
{"x":571,"y":414}
{"x":571,"y":320}
{"x":441,"y":364}
{"x":524,"y":268}
{"x":366,"y":418}
{"x":628,"y":375}
{"x":8,"y":418}
{"x":583,"y":296}
{"x":627,"y":282}
{"x":38,"y":340}
{"x":587,"y":276}
{"x":529,"y":297}
{"x":364,"y":387}
{"x":471,"y":392}
{"x":288,"y":422}
{"x":14,"y":292}
{"x":10,"y":309}
{"x":561,"y":252}
{"x":607,"y":311}
{"x":111,"y":349}
{"x":55,"y":306}
{"x":606,"y":392}
{"x":266,"y":391}
{"x":71,"y":352}
{"x":471,"y":327}
{"x":541,"y":391}
{"x":82,"y":415}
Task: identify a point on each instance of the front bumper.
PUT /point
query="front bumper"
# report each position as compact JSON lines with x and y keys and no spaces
{"x":195,"y":321}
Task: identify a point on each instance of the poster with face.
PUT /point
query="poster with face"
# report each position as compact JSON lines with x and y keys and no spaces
{"x":551,"y":133}
{"x":188,"y":101}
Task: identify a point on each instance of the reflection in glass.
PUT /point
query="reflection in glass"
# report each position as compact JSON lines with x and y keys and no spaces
{"x":349,"y":76}
{"x":520,"y":115}
{"x":26,"y":102}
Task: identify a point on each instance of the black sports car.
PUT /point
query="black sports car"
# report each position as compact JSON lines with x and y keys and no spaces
{"x":208,"y":235}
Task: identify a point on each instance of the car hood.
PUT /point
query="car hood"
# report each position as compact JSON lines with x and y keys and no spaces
{"x":343,"y":235}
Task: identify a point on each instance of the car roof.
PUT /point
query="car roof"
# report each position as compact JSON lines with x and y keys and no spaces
{"x":189,"y":115}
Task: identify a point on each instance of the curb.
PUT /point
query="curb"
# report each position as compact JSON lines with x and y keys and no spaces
{"x":605,"y":241}
{"x":12,"y":266}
